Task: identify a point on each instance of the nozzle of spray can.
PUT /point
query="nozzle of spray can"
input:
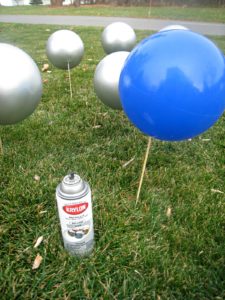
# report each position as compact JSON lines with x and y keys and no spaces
{"x":71,"y":176}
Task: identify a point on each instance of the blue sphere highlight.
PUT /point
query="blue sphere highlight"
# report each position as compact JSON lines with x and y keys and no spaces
{"x":172,"y":86}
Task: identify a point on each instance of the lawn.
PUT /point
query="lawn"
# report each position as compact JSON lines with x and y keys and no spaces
{"x":207,"y":14}
{"x":168,"y":246}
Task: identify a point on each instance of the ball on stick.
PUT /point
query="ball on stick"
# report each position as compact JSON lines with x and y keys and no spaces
{"x":118,"y":36}
{"x":173,"y":27}
{"x":64,"y":49}
{"x":172,"y":86}
{"x":106,"y":78}
{"x":20,"y":84}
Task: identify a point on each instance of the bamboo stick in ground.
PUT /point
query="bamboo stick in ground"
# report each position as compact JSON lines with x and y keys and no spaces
{"x":143,"y":168}
{"x":1,"y":147}
{"x":71,"y":93}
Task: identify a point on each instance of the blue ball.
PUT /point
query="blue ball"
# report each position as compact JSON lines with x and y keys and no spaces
{"x":172,"y":86}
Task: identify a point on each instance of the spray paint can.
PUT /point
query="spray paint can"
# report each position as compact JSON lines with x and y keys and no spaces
{"x":73,"y":196}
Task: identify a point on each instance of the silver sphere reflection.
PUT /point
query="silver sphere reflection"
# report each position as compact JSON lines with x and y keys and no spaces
{"x":64,"y":47}
{"x":173,"y":27}
{"x":20,"y":84}
{"x":106,"y":78}
{"x":118,"y":36}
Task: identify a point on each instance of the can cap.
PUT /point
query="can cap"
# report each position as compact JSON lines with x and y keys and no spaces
{"x":72,"y":184}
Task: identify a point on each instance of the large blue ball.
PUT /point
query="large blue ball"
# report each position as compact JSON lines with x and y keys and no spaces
{"x":172,"y":86}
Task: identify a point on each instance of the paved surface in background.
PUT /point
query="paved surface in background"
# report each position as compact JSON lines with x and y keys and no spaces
{"x":143,"y":24}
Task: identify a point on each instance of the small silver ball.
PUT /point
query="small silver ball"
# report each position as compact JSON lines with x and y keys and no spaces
{"x":118,"y":36}
{"x":173,"y":27}
{"x":106,"y":78}
{"x":64,"y":47}
{"x":20,"y":84}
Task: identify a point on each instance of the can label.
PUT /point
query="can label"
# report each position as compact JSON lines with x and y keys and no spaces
{"x":76,"y":223}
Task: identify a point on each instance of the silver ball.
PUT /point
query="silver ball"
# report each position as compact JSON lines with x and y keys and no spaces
{"x":106,"y":78}
{"x":20,"y":84}
{"x":118,"y":36}
{"x":64,"y":47}
{"x":173,"y":27}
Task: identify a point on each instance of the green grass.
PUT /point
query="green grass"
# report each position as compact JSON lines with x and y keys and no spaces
{"x":140,"y":253}
{"x":209,"y":14}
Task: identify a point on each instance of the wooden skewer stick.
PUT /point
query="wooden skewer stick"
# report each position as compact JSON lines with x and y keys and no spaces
{"x":71,"y":93}
{"x":150,"y":8}
{"x":143,"y":168}
{"x":1,"y":147}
